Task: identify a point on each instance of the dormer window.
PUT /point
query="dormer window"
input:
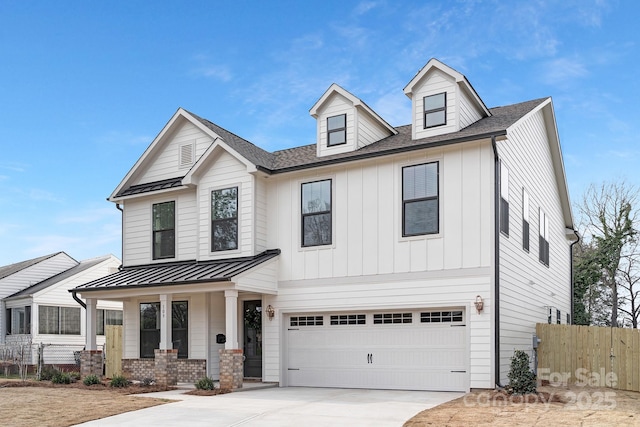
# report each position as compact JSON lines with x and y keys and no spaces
{"x":435,"y":113}
{"x":337,"y":130}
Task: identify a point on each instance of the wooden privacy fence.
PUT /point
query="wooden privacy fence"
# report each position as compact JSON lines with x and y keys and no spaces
{"x":113,"y":350}
{"x":589,"y":355}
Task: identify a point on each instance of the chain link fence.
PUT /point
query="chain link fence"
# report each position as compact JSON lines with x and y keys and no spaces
{"x":21,"y":356}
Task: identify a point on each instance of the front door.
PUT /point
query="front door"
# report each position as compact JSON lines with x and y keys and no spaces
{"x":253,"y":339}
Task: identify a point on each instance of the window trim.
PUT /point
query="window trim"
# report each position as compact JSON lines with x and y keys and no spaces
{"x":236,"y":218}
{"x":154,"y":256}
{"x":303,"y":215}
{"x":426,"y":112}
{"x":504,"y":199}
{"x":404,"y":202}
{"x":336,"y":130}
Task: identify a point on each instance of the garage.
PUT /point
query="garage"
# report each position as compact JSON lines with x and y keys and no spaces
{"x":407,"y":350}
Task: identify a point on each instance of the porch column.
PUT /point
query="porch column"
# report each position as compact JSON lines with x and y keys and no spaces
{"x":165,"y":322}
{"x":231,"y":318}
{"x":90,"y":324}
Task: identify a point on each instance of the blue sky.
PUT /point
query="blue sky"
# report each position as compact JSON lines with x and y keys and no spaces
{"x":85,"y":86}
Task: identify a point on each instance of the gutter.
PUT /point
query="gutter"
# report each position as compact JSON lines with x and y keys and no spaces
{"x":496,"y":255}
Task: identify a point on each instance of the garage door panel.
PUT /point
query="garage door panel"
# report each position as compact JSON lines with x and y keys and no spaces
{"x":418,"y":356}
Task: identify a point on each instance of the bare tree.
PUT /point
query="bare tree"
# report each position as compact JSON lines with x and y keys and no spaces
{"x":629,"y":282}
{"x":608,"y":217}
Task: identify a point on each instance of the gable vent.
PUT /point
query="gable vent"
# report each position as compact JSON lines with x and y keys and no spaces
{"x":186,"y":155}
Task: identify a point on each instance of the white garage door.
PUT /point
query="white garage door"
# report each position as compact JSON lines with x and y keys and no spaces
{"x":409,"y":350}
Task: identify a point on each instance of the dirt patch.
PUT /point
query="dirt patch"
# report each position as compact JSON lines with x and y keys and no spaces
{"x":55,"y":405}
{"x":552,"y":406}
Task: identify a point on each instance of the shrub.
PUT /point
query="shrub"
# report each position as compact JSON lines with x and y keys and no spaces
{"x":91,"y":380}
{"x":61,"y":378}
{"x":47,"y":373}
{"x":522,"y":380}
{"x":204,"y":383}
{"x":119,"y":381}
{"x":75,"y":375}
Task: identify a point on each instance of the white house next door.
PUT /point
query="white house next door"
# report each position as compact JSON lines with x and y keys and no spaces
{"x":409,"y":350}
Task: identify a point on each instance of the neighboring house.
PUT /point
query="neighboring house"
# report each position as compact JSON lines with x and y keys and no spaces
{"x":412,"y":257}
{"x":37,"y":304}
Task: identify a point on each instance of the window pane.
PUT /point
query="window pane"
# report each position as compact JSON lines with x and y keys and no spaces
{"x":421,"y":217}
{"x":99,"y":322}
{"x":316,"y":229}
{"x":164,"y":245}
{"x":48,"y":320}
{"x":113,"y":317}
{"x":225,"y":235}
{"x":337,"y":137}
{"x":163,"y":216}
{"x":149,"y":329}
{"x":224,"y":203}
{"x":420,"y":181}
{"x":435,"y":118}
{"x":316,"y":196}
{"x":434,"y":101}
{"x":179,"y":331}
{"x":70,"y":320}
{"x":336,"y":122}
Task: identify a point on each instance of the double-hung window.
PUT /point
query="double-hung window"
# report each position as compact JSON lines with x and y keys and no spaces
{"x":58,"y":320}
{"x":164,"y":230}
{"x":316,"y":213}
{"x":420,"y":199}
{"x":224,"y":219}
{"x":435,"y":110}
{"x":525,"y":220}
{"x":150,"y":328}
{"x":337,"y":130}
{"x":504,"y":199}
{"x":105,"y":318}
{"x":543,"y":238}
{"x":19,"y":320}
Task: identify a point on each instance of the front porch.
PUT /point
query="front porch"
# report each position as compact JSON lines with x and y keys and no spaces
{"x":178,"y":331}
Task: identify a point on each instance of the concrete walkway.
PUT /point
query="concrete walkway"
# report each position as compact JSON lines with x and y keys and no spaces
{"x":289,"y":406}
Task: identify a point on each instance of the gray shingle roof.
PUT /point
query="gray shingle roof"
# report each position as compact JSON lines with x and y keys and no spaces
{"x":305,"y":157}
{"x":177,"y":273}
{"x":10,"y":269}
{"x":84,"y":265}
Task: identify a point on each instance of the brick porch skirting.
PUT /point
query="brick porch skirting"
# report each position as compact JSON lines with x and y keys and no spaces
{"x":231,"y":369}
{"x":189,"y":370}
{"x":91,"y":363}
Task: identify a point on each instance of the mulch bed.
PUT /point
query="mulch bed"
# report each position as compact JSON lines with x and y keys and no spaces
{"x":213,"y":392}
{"x":132,"y":389}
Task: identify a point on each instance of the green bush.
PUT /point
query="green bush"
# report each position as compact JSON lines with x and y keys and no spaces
{"x":61,"y":378}
{"x":91,"y":380}
{"x":522,"y":380}
{"x":75,"y":375}
{"x":204,"y":383}
{"x":47,"y":373}
{"x":119,"y":381}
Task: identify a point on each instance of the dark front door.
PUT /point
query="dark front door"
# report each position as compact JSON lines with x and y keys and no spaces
{"x":253,"y":339}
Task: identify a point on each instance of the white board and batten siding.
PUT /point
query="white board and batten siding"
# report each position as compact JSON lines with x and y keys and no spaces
{"x":528,"y":287}
{"x":138,"y":229}
{"x":435,"y":82}
{"x":169,"y":161}
{"x":335,"y":106}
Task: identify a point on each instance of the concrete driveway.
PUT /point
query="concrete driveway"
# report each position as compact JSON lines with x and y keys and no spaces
{"x":291,"y":406}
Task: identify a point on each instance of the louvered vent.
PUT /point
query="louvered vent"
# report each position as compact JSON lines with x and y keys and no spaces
{"x":186,"y":155}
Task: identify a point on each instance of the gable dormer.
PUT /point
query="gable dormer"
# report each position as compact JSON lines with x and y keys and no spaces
{"x":345,"y":123}
{"x":442,"y":101}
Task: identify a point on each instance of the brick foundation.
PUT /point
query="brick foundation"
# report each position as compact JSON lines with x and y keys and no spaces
{"x":91,"y":363}
{"x":166,"y":367}
{"x":189,"y":370}
{"x":231,"y":369}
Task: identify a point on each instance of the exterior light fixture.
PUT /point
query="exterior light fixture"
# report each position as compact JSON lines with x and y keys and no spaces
{"x":479,"y":303}
{"x":270,"y":312}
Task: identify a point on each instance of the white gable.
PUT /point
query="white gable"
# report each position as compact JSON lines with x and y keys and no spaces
{"x":362,"y":126}
{"x":462,"y":105}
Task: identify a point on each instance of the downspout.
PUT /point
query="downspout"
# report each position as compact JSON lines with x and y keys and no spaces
{"x":75,"y":297}
{"x":496,"y":255}
{"x":572,"y":275}
{"x":121,"y":234}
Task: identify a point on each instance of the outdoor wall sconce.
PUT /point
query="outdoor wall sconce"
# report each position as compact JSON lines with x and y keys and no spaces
{"x":479,"y":303}
{"x":270,"y":312}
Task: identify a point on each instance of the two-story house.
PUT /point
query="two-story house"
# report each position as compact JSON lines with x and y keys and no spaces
{"x":413,"y":257}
